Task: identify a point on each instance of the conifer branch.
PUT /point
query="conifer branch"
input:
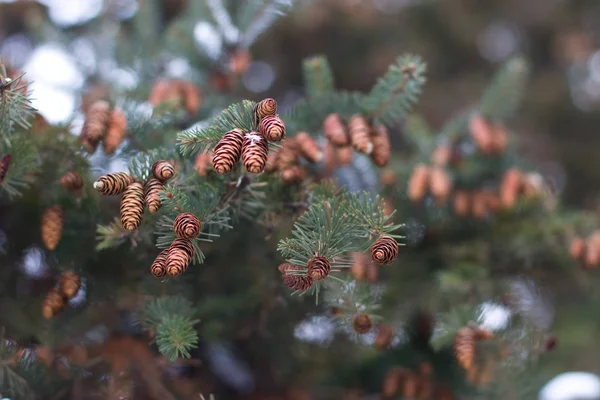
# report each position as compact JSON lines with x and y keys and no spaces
{"x":111,"y":235}
{"x":318,"y":77}
{"x":258,"y":15}
{"x":15,"y":105}
{"x":25,"y":162}
{"x":504,"y":95}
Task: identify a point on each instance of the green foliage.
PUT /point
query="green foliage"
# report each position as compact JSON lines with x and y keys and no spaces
{"x":111,"y":235}
{"x":504,"y":95}
{"x":318,"y":77}
{"x":419,"y":134}
{"x":15,"y":105}
{"x":24,"y":164}
{"x":369,"y":212}
{"x":256,"y":16}
{"x":140,"y":165}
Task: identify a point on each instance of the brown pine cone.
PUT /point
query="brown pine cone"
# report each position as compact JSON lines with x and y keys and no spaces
{"x":293,"y":175}
{"x":464,"y":347}
{"x":71,"y":181}
{"x":362,"y":323}
{"x":440,"y":184}
{"x":344,"y":155}
{"x":308,"y":147}
{"x":113,"y":184}
{"x":228,"y":151}
{"x":117,"y":130}
{"x":318,"y":268}
{"x":418,"y":183}
{"x":382,"y":149}
{"x":359,"y":132}
{"x":255,"y":150}
{"x":287,"y":156}
{"x":53,"y":304}
{"x":385,"y":335}
{"x":4,"y":166}
{"x":384,"y":250}
{"x":187,"y":226}
{"x":152,"y":189}
{"x":410,"y":386}
{"x":592,"y":254}
{"x":499,"y":138}
{"x":294,"y":282}
{"x":577,"y":248}
{"x":179,"y":256}
{"x":132,"y":206}
{"x":481,"y":133}
{"x":483,"y":333}
{"x":511,"y":185}
{"x":202,"y":163}
{"x":93,"y":94}
{"x":391,"y":383}
{"x":69,"y":284}
{"x":462,"y":203}
{"x":239,"y":61}
{"x":441,"y":156}
{"x":263,"y":108}
{"x":95,"y":126}
{"x":163,"y":170}
{"x":272,"y":128}
{"x":272,"y":161}
{"x":359,"y":268}
{"x":192,"y":98}
{"x":159,"y":265}
{"x":165,"y":91}
{"x":335,"y":131}
{"x":52,"y":226}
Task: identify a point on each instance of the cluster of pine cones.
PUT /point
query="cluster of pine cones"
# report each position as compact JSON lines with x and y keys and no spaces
{"x":465,"y":344}
{"x":57,"y":298}
{"x":105,"y":124}
{"x":414,"y":385}
{"x":177,"y":92}
{"x":586,"y":251}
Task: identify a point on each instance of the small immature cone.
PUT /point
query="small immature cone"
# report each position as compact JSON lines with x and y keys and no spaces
{"x":418,"y":183}
{"x":499,"y":138}
{"x":287,"y":156}
{"x":577,"y":248}
{"x":4,"y":166}
{"x":152,"y":190}
{"x":179,"y":256}
{"x":294,"y":282}
{"x":163,"y":170}
{"x":132,"y":206}
{"x":385,"y":335}
{"x":384,"y":250}
{"x":69,"y":284}
{"x":52,"y":226}
{"x":481,"y":133}
{"x":113,"y":184}
{"x":96,"y":124}
{"x":165,"y":91}
{"x":464,"y":347}
{"x":255,"y":151}
{"x":53,"y":304}
{"x":359,"y":268}
{"x":71,"y":181}
{"x":159,"y":265}
{"x":359,"y":132}
{"x":228,"y":151}
{"x":187,"y":226}
{"x":202,"y":163}
{"x":441,"y":156}
{"x":263,"y":108}
{"x":308,"y":147}
{"x":192,"y":99}
{"x":462,"y":203}
{"x":480,"y":207}
{"x":318,"y":268}
{"x":335,"y":131}
{"x":344,"y":155}
{"x":362,"y":323}
{"x":382,"y":149}
{"x":117,"y":130}
{"x":592,"y":253}
{"x":293,"y":175}
{"x":440,"y":184}
{"x":511,"y":184}
{"x":272,"y":128}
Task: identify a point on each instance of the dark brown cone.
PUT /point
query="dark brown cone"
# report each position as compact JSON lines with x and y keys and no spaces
{"x":272,"y":128}
{"x":293,"y":175}
{"x":464,"y":347}
{"x":4,"y":166}
{"x":202,"y":163}
{"x":359,"y":268}
{"x":53,"y":304}
{"x":308,"y":147}
{"x":335,"y":131}
{"x":152,"y":189}
{"x":192,"y":98}
{"x":499,"y":138}
{"x":577,"y":248}
{"x":344,"y":155}
{"x":384,"y":250}
{"x":239,"y":61}
{"x":52,"y":226}
{"x":165,"y":91}
{"x":255,"y":150}
{"x":318,"y":268}
{"x":287,"y":156}
{"x":481,"y":133}
{"x":382,"y":149}
{"x":263,"y":108}
{"x":511,"y":184}
{"x":179,"y":256}
{"x":163,"y":170}
{"x":440,"y":184}
{"x":117,"y":130}
{"x":294,"y":282}
{"x":95,"y":126}
{"x":385,"y":335}
{"x":441,"y":156}
{"x":228,"y":151}
{"x":362,"y":323}
{"x":187,"y":226}
{"x":132,"y":206}
{"x":71,"y":181}
{"x":113,"y":184}
{"x":462,"y":203}
{"x":69,"y":284}
{"x":158,"y":268}
{"x":419,"y":183}
{"x":358,"y":130}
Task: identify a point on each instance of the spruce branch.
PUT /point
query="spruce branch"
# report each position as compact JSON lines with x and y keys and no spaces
{"x":504,"y":95}
{"x":397,"y":91}
{"x":140,"y":165}
{"x":456,"y":127}
{"x":370,"y":213}
{"x":318,"y":77}
{"x":15,"y":104}
{"x":25,"y":162}
{"x":111,"y":235}
{"x":256,"y":16}
{"x":176,"y":336}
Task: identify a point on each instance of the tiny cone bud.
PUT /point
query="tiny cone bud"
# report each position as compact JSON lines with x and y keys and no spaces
{"x":192,"y":99}
{"x":187,"y":225}
{"x":69,"y":284}
{"x":163,"y":170}
{"x":71,"y":181}
{"x":359,"y":132}
{"x":152,"y":190}
{"x":385,"y":335}
{"x":52,"y":226}
{"x":382,"y":149}
{"x":117,"y":130}
{"x":464,"y":347}
{"x":255,"y":151}
{"x":577,"y":248}
{"x":113,"y":184}
{"x":228,"y":151}
{"x":132,"y":206}
{"x":318,"y":268}
{"x":335,"y":131}
{"x":179,"y":256}
{"x":462,"y":203}
{"x":202,"y":163}
{"x":4,"y":166}
{"x":510,"y":187}
{"x":362,"y":323}
{"x":384,"y":250}
{"x":419,"y":183}
{"x":272,"y":128}
{"x":308,"y":147}
{"x":440,"y":184}
{"x":441,"y":156}
{"x":293,"y":175}
{"x":159,"y":265}
{"x":481,"y":133}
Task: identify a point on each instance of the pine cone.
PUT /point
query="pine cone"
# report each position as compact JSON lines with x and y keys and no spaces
{"x":71,"y":181}
{"x":440,"y":184}
{"x":254,"y":152}
{"x":335,"y":131}
{"x":293,"y":175}
{"x":419,"y":183}
{"x":410,"y":385}
{"x":69,"y":284}
{"x":239,"y":61}
{"x":577,"y":248}
{"x":52,"y":226}
{"x":441,"y":156}
{"x":499,"y":138}
{"x":132,"y":206}
{"x":165,"y":91}
{"x":382,"y":149}
{"x":344,"y":155}
{"x":192,"y":99}
{"x":163,"y":170}
{"x":318,"y":268}
{"x":202,"y":163}
{"x":480,"y":206}
{"x":113,"y":184}
{"x":388,"y":177}
{"x":362,"y":323}
{"x":384,"y":250}
{"x":4,"y":166}
{"x":152,"y":190}
{"x":511,"y":185}
{"x":592,"y":254}
{"x":391,"y":383}
{"x":287,"y":156}
{"x":464,"y":347}
{"x":294,"y":282}
{"x":227,"y":152}
{"x":263,"y":108}
{"x":179,"y":256}
{"x":187,"y":226}
{"x":95,"y":126}
{"x":53,"y":304}
{"x":93,"y":94}
{"x":483,"y":333}
{"x":359,"y":268}
{"x":481,"y":133}
{"x":117,"y":130}
{"x":462,"y":203}
{"x":158,"y":268}
{"x":385,"y":335}
{"x":308,"y":147}
{"x":272,"y":128}
{"x":358,"y":130}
